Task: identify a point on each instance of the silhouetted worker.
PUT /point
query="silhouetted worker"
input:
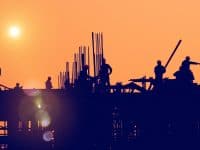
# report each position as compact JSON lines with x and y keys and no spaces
{"x":184,"y":73}
{"x":67,"y":84}
{"x":18,"y":87}
{"x":186,"y":64}
{"x":159,"y":70}
{"x":48,"y":83}
{"x":104,"y":73}
{"x":84,"y":79}
{"x":84,"y":72}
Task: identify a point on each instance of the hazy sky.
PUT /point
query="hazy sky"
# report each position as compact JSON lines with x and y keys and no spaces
{"x":136,"y":34}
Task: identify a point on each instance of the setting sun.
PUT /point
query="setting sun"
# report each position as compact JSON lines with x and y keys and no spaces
{"x":14,"y":31}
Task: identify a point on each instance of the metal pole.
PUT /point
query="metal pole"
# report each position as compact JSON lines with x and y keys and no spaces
{"x":102,"y":45}
{"x":93,"y":53}
{"x":88,"y":60}
{"x":178,"y":44}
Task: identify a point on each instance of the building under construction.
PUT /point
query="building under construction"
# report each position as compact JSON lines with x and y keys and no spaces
{"x":87,"y":113}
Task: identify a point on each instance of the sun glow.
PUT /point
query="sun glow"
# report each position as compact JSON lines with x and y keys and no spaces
{"x":14,"y":32}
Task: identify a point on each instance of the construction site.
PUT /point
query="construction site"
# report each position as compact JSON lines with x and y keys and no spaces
{"x":87,"y":112}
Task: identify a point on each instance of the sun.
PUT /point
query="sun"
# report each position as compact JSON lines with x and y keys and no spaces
{"x":14,"y":31}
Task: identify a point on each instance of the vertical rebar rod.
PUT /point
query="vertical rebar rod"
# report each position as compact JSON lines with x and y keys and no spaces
{"x":88,"y":60}
{"x":94,"y":62}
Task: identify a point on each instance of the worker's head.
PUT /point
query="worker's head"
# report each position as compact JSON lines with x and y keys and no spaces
{"x":85,"y":67}
{"x":49,"y":78}
{"x":187,"y":58}
{"x":159,"y":62}
{"x":103,"y":61}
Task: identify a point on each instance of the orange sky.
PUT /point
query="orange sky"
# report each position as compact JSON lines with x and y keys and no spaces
{"x":136,"y":34}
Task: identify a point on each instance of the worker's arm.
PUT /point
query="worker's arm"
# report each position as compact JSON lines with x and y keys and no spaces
{"x":110,"y":68}
{"x":194,"y":63}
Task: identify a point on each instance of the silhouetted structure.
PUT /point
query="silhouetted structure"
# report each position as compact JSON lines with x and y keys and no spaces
{"x":126,"y":117}
{"x":48,"y":83}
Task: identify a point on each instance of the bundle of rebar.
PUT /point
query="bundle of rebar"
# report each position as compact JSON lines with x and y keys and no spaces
{"x":64,"y":77}
{"x":81,"y":59}
{"x":97,"y":42}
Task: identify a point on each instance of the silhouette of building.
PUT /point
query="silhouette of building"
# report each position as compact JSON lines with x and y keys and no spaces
{"x":117,"y":125}
{"x":118,"y":119}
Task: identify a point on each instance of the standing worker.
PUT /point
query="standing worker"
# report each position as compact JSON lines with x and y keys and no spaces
{"x":48,"y":83}
{"x":84,"y":79}
{"x":186,"y":73}
{"x":159,"y":70}
{"x":186,"y":63}
{"x":104,"y":74}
